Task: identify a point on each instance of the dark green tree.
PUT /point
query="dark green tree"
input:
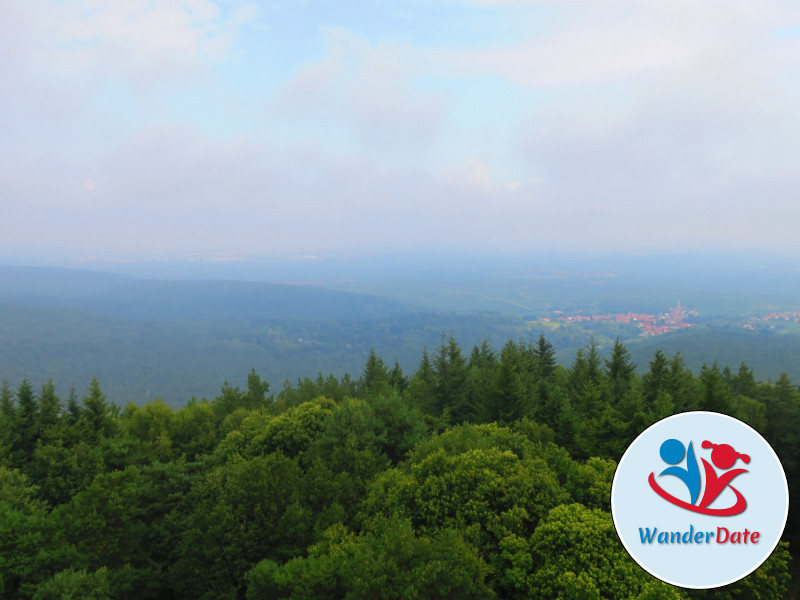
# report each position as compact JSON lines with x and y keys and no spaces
{"x":620,"y":370}
{"x":511,"y":401}
{"x":656,"y":379}
{"x":27,"y":421}
{"x":374,"y":379}
{"x":49,"y":406}
{"x":97,"y":414}
{"x":744,"y":383}
{"x":450,"y":370}
{"x":716,"y":394}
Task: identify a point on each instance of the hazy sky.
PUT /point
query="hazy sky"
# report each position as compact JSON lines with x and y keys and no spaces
{"x":169,"y":128}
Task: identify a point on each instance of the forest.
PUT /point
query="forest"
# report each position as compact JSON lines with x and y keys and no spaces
{"x":485,"y":473}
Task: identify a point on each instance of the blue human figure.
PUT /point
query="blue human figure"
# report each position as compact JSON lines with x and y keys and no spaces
{"x":672,"y":452}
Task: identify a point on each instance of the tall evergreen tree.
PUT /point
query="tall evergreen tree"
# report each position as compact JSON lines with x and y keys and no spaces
{"x":27,"y":418}
{"x":620,"y":370}
{"x":375,"y":377}
{"x":451,"y":375}
{"x":49,"y":405}
{"x":480,"y":384}
{"x":512,"y":401}
{"x":545,"y":358}
{"x":74,"y":411}
{"x":257,"y":389}
{"x":716,"y":395}
{"x":656,"y":379}
{"x":397,"y":379}
{"x":8,"y":423}
{"x":422,"y":385}
{"x":682,"y":386}
{"x":744,"y":383}
{"x":97,"y":413}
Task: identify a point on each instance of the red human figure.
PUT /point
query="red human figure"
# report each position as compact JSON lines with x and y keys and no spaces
{"x":724,"y":457}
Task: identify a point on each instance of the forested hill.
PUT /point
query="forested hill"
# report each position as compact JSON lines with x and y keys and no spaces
{"x":165,"y":300}
{"x":175,"y":340}
{"x":485,"y":474}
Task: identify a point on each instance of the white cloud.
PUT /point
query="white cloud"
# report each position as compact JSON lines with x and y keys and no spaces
{"x":136,"y":40}
{"x":606,"y":42}
{"x":366,"y":89}
{"x":619,"y":122}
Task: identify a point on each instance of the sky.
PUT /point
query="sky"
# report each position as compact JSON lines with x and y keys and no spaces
{"x":221,"y":130}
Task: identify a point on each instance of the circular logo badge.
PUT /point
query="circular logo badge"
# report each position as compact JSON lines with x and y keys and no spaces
{"x":699,"y":500}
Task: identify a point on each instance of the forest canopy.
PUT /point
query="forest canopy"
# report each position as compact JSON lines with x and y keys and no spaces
{"x":484,"y":474}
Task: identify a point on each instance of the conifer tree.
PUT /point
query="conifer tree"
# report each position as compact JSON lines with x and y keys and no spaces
{"x":744,"y":383}
{"x":620,"y":370}
{"x":8,"y":420}
{"x":375,"y":377}
{"x":656,"y":379}
{"x":73,"y":412}
{"x":257,"y":389}
{"x":451,"y":375}
{"x":716,"y":395}
{"x":97,"y":413}
{"x":27,"y":418}
{"x":545,"y":358}
{"x":512,"y":401}
{"x":421,"y":386}
{"x":397,"y":379}
{"x":49,"y":405}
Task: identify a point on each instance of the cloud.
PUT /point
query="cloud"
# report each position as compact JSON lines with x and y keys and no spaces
{"x":368,"y":90}
{"x":593,"y":43}
{"x":627,"y":123}
{"x":139,"y":41}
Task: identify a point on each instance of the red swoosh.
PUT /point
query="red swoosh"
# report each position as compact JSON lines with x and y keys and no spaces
{"x":737,"y":508}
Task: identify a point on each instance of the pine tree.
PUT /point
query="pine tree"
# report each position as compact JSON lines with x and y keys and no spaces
{"x":451,"y":375}
{"x":682,"y":386}
{"x":716,"y":395}
{"x":421,"y":386}
{"x":397,"y":379}
{"x":656,"y":379}
{"x":257,"y":389}
{"x":375,"y":377}
{"x":74,"y":411}
{"x":620,"y":370}
{"x":512,"y":401}
{"x":49,"y":406}
{"x":744,"y":383}
{"x":545,"y":358}
{"x":27,"y":419}
{"x":7,"y":409}
{"x":97,"y":413}
{"x":8,"y":423}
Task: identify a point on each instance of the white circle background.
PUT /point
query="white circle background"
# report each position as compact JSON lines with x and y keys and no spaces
{"x":635,"y":505}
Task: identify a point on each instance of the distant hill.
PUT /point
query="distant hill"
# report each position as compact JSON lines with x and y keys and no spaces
{"x":768,"y":354}
{"x":177,"y":339}
{"x":120,"y":296}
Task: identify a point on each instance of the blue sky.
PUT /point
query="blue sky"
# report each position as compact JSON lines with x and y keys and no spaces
{"x":158,"y":129}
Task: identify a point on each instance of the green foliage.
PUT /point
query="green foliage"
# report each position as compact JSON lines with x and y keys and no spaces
{"x":462,"y":480}
{"x":768,"y":582}
{"x":76,"y":585}
{"x":392,"y":563}
{"x":575,"y":540}
{"x":97,"y":414}
{"x":449,"y":390}
{"x":716,"y":395}
{"x":352,"y":489}
{"x":291,"y":433}
{"x":22,"y":533}
{"x":240,"y":513}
